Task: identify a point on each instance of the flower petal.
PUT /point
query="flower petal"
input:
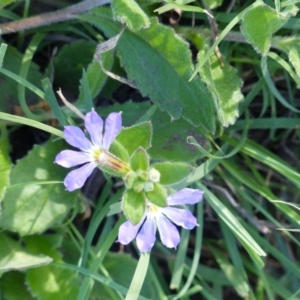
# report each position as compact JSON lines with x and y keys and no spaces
{"x":70,"y":158}
{"x":185,"y":196}
{"x":113,"y":125}
{"x":146,"y":237}
{"x":128,"y":231}
{"x":94,"y":125}
{"x":168,"y":232}
{"x":181,"y":217}
{"x":76,"y":179}
{"x":75,"y":137}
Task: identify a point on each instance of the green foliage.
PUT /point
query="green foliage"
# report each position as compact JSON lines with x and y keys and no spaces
{"x":136,"y":136}
{"x":259,"y":24}
{"x":158,"y":196}
{"x":5,"y":164}
{"x":16,"y":280}
{"x":34,"y":203}
{"x":242,"y":142}
{"x":61,"y":283}
{"x":139,"y":160}
{"x":134,"y":205}
{"x":129,"y":12}
{"x":14,"y":257}
{"x":112,"y":263}
{"x":171,"y":173}
{"x":5,"y":3}
{"x":96,"y":78}
{"x":225,"y":87}
{"x":212,"y":3}
{"x":165,"y":61}
{"x":70,"y":61}
{"x":9,"y":92}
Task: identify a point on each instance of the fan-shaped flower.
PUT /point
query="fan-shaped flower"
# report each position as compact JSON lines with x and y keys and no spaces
{"x":162,"y":218}
{"x":94,"y":152}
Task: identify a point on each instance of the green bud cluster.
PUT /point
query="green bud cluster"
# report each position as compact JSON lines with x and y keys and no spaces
{"x":144,"y":182}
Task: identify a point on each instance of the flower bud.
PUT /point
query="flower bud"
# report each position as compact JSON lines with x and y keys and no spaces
{"x":153,"y":175}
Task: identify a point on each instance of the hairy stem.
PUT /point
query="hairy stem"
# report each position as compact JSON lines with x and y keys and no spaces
{"x":68,"y":13}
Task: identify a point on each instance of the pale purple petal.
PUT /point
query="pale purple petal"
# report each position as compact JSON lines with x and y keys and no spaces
{"x":181,"y":217}
{"x":185,"y":196}
{"x":146,"y":237}
{"x":113,"y":125}
{"x":75,"y":137}
{"x":70,"y":158}
{"x":168,"y":232}
{"x":76,"y":179}
{"x":94,"y":125}
{"x":128,"y":231}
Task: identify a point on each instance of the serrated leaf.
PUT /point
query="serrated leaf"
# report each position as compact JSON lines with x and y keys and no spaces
{"x":172,"y":172}
{"x":95,"y":76}
{"x":33,"y":208}
{"x":12,"y":285}
{"x":134,"y":205}
{"x":5,"y":164}
{"x":139,"y":160}
{"x":158,"y":196}
{"x":61,"y":283}
{"x":14,"y":257}
{"x":225,"y":87}
{"x":259,"y":24}
{"x":139,"y":135}
{"x":160,"y":63}
{"x":130,"y":13}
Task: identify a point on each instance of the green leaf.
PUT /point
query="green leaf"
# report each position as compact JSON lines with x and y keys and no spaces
{"x":95,"y":76}
{"x":134,"y":205}
{"x":9,"y":93}
{"x":291,"y":46}
{"x":5,"y":3}
{"x":254,"y":250}
{"x":33,"y":208}
{"x":158,"y":196}
{"x":234,"y":275}
{"x":211,"y":4}
{"x":225,"y":87}
{"x":12,"y":285}
{"x":61,"y":283}
{"x":69,"y":63}
{"x":117,"y":149}
{"x":138,"y":277}
{"x":136,"y":136}
{"x":164,"y":60}
{"x":5,"y":163}
{"x":129,"y":12}
{"x":169,"y":137}
{"x":14,"y":257}
{"x":259,"y":24}
{"x":139,"y":160}
{"x":171,"y":172}
{"x":122,"y":276}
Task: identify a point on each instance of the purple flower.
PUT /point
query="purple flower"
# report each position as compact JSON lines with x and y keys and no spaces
{"x":94,"y":152}
{"x":160,"y":217}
